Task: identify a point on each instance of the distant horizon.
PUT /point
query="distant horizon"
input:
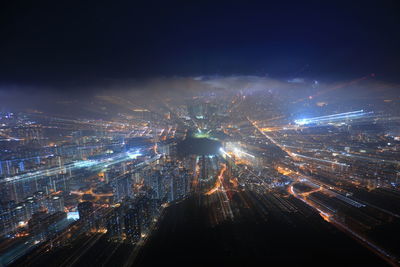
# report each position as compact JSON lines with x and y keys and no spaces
{"x":65,"y":43}
{"x":199,"y":133}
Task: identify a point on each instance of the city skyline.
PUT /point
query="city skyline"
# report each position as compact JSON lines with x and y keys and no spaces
{"x":199,"y":134}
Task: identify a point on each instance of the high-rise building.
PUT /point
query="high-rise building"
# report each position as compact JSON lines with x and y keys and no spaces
{"x":114,"y":225}
{"x":85,"y":210}
{"x":31,"y":206}
{"x":55,"y":203}
{"x":156,"y":185}
{"x":122,"y":188}
{"x":132,"y":225}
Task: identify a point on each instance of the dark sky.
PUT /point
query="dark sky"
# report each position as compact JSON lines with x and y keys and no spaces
{"x":63,"y":42}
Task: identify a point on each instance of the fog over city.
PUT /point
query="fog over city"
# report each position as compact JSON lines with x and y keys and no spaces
{"x":199,"y":133}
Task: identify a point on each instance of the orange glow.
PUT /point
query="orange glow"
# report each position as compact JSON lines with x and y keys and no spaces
{"x":284,"y":171}
{"x":218,"y":182}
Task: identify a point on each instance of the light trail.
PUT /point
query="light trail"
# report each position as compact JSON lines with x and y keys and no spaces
{"x":218,"y":182}
{"x":321,"y":160}
{"x":333,"y":118}
{"x":93,"y":164}
{"x":269,"y":137}
{"x":236,"y":151}
{"x":326,"y":215}
{"x":291,"y":154}
{"x":373,"y":159}
{"x":331,"y":219}
{"x":27,"y":159}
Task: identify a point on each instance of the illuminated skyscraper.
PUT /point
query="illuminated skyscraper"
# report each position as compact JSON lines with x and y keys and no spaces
{"x":132,"y":225}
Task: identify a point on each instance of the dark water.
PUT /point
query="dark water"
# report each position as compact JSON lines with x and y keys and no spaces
{"x":198,"y":146}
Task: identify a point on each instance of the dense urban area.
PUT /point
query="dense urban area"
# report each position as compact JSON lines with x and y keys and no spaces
{"x":203,"y":177}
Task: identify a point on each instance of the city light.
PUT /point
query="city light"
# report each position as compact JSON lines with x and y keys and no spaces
{"x":217,"y":133}
{"x":334,"y":118}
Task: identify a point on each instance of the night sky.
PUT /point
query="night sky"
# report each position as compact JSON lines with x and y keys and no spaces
{"x":79,"y":42}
